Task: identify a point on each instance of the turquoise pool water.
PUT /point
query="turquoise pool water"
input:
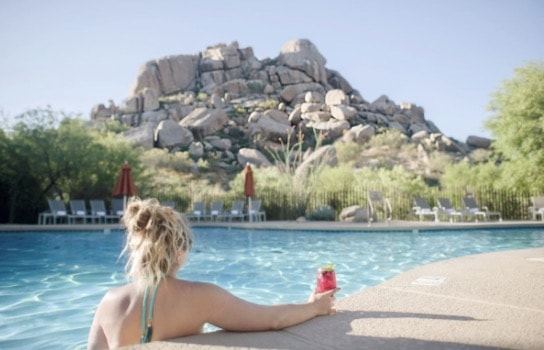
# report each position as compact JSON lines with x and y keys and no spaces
{"x":50,"y":283}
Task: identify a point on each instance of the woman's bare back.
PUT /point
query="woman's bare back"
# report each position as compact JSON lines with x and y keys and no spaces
{"x":120,"y":312}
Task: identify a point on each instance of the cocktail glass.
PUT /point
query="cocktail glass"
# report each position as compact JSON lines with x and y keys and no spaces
{"x":326,"y":279}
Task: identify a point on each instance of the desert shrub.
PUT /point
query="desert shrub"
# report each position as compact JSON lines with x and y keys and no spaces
{"x":391,"y":138}
{"x":438,"y":161}
{"x":161,"y":158}
{"x":237,"y":111}
{"x":268,"y":104}
{"x":348,"y":152}
{"x":333,"y":179}
{"x":202,"y":96}
{"x":255,"y":86}
{"x":398,"y":177}
{"x":480,"y":155}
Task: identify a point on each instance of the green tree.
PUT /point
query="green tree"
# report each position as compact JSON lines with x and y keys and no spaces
{"x":517,"y":123}
{"x":51,"y":155}
{"x":465,"y":176}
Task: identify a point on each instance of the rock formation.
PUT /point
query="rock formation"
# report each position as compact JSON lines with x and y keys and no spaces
{"x":224,"y":99}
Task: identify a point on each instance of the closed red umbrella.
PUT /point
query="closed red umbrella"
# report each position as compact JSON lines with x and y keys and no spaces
{"x":249,"y":187}
{"x":125,"y":184}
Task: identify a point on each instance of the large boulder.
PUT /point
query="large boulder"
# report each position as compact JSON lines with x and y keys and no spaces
{"x":177,"y":73}
{"x":337,"y":81}
{"x":302,"y":54}
{"x":333,"y":128}
{"x":142,"y":135}
{"x":291,"y":92}
{"x":148,"y":76}
{"x":167,"y":75}
{"x":278,"y":116}
{"x":289,"y":76}
{"x":336,"y":97}
{"x":203,"y":121}
{"x":342,"y":112}
{"x":414,"y":112}
{"x":313,"y":97}
{"x":295,"y":116}
{"x":359,"y":133}
{"x":269,"y":128}
{"x":100,"y":112}
{"x":384,"y":105}
{"x":196,"y":150}
{"x":319,"y":116}
{"x":235,"y":87}
{"x":479,"y":142}
{"x":220,"y":56}
{"x":154,"y":117}
{"x":169,"y":134}
{"x":354,"y":213}
{"x":150,"y":98}
{"x":222,"y":144}
{"x":252,"y":156}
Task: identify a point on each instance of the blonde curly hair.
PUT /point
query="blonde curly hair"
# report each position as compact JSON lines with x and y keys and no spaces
{"x":154,"y":234}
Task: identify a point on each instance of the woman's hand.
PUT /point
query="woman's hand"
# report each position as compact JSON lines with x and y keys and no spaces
{"x":324,"y":301}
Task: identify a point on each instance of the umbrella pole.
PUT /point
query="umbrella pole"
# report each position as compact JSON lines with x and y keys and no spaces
{"x":249,"y":209}
{"x":124,"y":203}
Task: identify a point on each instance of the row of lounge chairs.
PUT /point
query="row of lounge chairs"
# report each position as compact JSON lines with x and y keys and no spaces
{"x":444,"y":209}
{"x":78,"y":213}
{"x":217,"y":212}
{"x":98,"y":213}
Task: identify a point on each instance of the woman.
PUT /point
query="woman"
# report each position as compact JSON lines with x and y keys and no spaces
{"x":156,"y":305}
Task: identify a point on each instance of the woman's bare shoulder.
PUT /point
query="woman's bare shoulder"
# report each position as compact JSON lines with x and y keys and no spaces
{"x":205,"y":292}
{"x":195,"y":286}
{"x":121,"y":296}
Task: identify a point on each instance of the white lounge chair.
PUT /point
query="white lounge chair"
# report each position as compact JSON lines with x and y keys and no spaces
{"x":254,"y":212}
{"x":473,"y":209}
{"x":445,"y":208}
{"x":117,"y":208}
{"x":78,"y":211}
{"x":216,"y":210}
{"x":198,"y":212}
{"x":422,"y":208}
{"x":236,"y":211}
{"x":537,"y":208}
{"x":377,"y":203}
{"x":98,"y":209}
{"x":57,"y":213}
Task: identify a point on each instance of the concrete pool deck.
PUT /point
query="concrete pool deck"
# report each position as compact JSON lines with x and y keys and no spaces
{"x":486,"y":301}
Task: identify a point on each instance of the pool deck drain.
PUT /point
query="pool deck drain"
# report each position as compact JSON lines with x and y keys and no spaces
{"x":429,"y":281}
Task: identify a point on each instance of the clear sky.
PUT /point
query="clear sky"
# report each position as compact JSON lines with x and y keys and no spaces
{"x":446,"y":56}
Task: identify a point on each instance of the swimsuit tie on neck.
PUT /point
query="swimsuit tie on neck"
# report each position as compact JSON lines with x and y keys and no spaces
{"x":147,"y":330}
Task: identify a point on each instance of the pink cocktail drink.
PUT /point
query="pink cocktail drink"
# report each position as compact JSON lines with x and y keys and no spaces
{"x":326,"y":279}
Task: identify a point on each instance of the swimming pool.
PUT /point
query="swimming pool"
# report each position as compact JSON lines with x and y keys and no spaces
{"x":50,"y":283}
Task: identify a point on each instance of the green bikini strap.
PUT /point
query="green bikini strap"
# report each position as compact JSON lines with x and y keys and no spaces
{"x":147,"y":330}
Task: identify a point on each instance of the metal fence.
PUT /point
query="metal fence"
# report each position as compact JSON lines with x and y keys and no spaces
{"x":284,"y":204}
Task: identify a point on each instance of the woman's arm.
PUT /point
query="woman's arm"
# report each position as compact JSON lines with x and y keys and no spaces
{"x":234,"y":314}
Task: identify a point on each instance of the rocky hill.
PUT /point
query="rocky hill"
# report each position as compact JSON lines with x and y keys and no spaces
{"x":225,"y":101}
